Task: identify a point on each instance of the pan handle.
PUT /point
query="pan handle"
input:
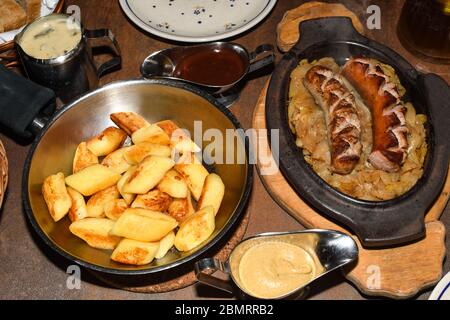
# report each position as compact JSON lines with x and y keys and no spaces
{"x":263,"y":56}
{"x":208,"y":279}
{"x":336,"y":29}
{"x":326,"y":29}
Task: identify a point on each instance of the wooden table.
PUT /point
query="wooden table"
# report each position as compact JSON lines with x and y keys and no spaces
{"x":28,"y":269}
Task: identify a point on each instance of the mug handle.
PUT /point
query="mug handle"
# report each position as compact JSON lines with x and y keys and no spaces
{"x":213,"y":264}
{"x":263,"y":55}
{"x":105,"y":38}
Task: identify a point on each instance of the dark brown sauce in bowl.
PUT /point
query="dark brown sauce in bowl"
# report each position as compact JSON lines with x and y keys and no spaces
{"x":213,"y":67}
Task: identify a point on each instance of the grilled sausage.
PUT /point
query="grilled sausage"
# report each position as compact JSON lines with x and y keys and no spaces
{"x":388,"y":112}
{"x":343,"y":124}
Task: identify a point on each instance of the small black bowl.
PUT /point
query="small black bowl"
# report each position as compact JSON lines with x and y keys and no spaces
{"x":377,"y":224}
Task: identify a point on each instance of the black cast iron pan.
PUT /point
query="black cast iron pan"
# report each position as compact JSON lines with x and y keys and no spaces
{"x":376,"y":224}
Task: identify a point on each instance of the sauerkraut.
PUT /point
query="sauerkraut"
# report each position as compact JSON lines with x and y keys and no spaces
{"x":307,"y":122}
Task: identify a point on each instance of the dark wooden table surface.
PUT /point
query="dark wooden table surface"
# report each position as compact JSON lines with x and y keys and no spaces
{"x":28,"y":269}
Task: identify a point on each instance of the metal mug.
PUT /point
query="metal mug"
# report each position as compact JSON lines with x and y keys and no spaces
{"x":328,"y":249}
{"x":75,"y":72}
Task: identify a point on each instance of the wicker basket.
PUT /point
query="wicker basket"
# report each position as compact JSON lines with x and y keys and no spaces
{"x":3,"y":172}
{"x":8,"y":55}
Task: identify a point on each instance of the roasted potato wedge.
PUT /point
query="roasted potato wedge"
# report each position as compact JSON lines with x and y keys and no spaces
{"x":148,"y":174}
{"x":195,"y":229}
{"x":174,"y":185}
{"x":92,"y":179}
{"x":128,"y":197}
{"x":168,"y":126}
{"x":96,"y":204}
{"x":151,"y":134}
{"x":129,"y":121}
{"x":96,"y":232}
{"x":194,"y":174}
{"x":180,"y":209}
{"x":154,"y":200}
{"x":116,"y":161}
{"x":135,"y":252}
{"x":56,"y":197}
{"x":165,"y":245}
{"x":186,"y":158}
{"x":106,"y":142}
{"x":143,"y":225}
{"x":178,"y":138}
{"x":138,"y":152}
{"x":115,"y":208}
{"x":78,"y":209}
{"x":212,"y":193}
{"x":182,"y":143}
{"x":83,"y":158}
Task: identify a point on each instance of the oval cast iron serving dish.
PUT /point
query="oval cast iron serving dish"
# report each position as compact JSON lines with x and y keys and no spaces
{"x":377,"y":224}
{"x":155,"y":100}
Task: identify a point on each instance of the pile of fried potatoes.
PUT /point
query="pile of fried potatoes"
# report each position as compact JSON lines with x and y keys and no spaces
{"x":136,"y":198}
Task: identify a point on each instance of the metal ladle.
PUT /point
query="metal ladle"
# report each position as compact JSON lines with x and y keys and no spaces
{"x":328,"y":249}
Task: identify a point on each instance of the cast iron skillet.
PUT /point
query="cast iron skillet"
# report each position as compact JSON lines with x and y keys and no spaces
{"x":156,"y":100}
{"x":376,"y":224}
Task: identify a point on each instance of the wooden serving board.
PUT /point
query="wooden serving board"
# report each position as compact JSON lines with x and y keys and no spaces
{"x":399,"y":272}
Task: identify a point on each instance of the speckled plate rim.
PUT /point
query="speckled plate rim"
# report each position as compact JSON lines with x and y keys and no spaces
{"x":442,"y":288}
{"x":139,"y":22}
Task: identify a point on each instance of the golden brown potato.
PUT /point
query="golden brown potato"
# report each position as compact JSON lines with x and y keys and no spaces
{"x":56,"y":197}
{"x":180,"y":209}
{"x":115,"y":208}
{"x":187,"y":158}
{"x":128,"y":197}
{"x":106,"y":142}
{"x":96,"y":232}
{"x":165,"y":245}
{"x":116,"y":161}
{"x":213,"y":192}
{"x":129,"y":121}
{"x":195,"y":229}
{"x":182,"y":143}
{"x":83,"y":158}
{"x":174,"y":185}
{"x":96,"y":204}
{"x":148,"y":174}
{"x":78,"y":209}
{"x":92,"y":179}
{"x":168,"y":126}
{"x":143,"y":225}
{"x":178,"y":138}
{"x":194,"y":175}
{"x":138,"y":152}
{"x":135,"y":252}
{"x":151,"y":134}
{"x":154,"y":200}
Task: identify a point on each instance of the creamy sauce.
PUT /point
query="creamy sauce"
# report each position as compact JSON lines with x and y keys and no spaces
{"x":274,"y":269}
{"x":50,"y":37}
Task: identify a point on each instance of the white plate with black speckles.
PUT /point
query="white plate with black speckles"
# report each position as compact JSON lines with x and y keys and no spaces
{"x":196,"y":20}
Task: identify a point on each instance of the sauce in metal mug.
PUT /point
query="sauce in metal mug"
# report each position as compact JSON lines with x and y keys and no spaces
{"x":56,"y":52}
